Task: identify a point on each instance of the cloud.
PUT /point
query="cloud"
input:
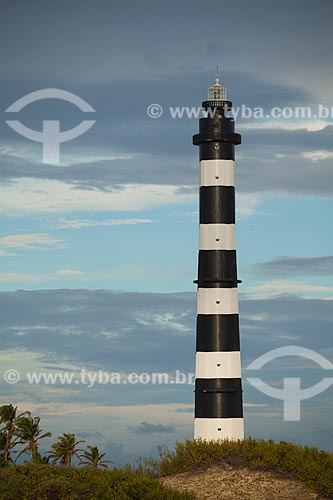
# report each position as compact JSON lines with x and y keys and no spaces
{"x":295,"y":140}
{"x":140,"y":332}
{"x":52,"y":330}
{"x":64,"y":223}
{"x":37,"y":241}
{"x":146,"y":428}
{"x":276,"y":288}
{"x":19,"y":277}
{"x":269,"y":161}
{"x":318,"y":155}
{"x":69,"y":272}
{"x":254,"y":405}
{"x":112,"y":327}
{"x":141,"y":167}
{"x":310,"y":125}
{"x":274,"y":174}
{"x":31,"y":196}
{"x":297,"y":266}
{"x":156,"y":57}
{"x":247,"y":204}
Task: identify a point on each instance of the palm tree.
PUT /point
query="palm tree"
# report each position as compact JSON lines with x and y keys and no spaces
{"x":3,"y":440}
{"x":93,"y":458}
{"x":28,"y":431}
{"x":65,"y":449}
{"x":8,"y":418}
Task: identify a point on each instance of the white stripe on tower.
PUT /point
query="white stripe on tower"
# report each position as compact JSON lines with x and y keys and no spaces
{"x":217,"y":173}
{"x":218,"y":388}
{"x":217,"y":301}
{"x":217,"y":236}
{"x":218,"y":428}
{"x":218,"y":365}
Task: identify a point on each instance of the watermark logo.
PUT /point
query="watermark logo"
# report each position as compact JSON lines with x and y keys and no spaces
{"x":11,"y":376}
{"x":154,"y":111}
{"x":291,"y":394}
{"x":50,"y":136}
{"x":101,"y":377}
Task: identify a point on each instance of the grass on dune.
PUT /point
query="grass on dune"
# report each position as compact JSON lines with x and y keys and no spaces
{"x":310,"y":465}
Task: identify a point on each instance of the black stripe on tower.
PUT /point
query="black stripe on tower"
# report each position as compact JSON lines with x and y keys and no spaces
{"x":217,"y":205}
{"x":217,"y":269}
{"x":217,"y":332}
{"x":217,"y":137}
{"x":217,"y":151}
{"x":218,"y":398}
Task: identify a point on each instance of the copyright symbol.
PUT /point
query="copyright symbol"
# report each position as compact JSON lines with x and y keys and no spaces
{"x":11,"y":376}
{"x":154,"y":111}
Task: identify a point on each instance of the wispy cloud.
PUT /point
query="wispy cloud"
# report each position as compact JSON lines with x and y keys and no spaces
{"x":69,"y":272}
{"x":64,"y":223}
{"x":19,"y":277}
{"x":317,"y":155}
{"x":35,"y":241}
{"x":285,"y":124}
{"x":247,"y":204}
{"x":297,"y":266}
{"x":28,"y":196}
{"x":277,"y":288}
{"x":146,"y":428}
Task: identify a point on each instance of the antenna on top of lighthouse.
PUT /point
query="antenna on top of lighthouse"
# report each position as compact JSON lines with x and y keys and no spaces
{"x":217,"y":92}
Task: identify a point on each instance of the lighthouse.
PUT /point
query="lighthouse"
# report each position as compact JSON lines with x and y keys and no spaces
{"x":218,"y":383}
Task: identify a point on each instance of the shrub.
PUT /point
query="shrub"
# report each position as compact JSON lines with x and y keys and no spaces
{"x":306,"y":464}
{"x":42,"y":482}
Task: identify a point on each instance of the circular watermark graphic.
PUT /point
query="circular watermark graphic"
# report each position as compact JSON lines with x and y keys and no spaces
{"x":292,"y":393}
{"x":51,"y":136}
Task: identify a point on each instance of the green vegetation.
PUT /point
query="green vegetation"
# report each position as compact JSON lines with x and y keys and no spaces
{"x":44,"y":482}
{"x":8,"y":421}
{"x":93,"y":458}
{"x":28,"y":432}
{"x":313,"y":467}
{"x":65,"y":449}
{"x":53,"y":477}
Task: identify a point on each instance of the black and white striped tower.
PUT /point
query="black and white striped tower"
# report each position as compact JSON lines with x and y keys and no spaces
{"x":218,"y":385}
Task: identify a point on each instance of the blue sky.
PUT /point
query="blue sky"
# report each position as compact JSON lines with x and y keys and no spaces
{"x":98,"y":254}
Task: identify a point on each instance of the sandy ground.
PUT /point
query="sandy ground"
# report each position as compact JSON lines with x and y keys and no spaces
{"x":230,"y":483}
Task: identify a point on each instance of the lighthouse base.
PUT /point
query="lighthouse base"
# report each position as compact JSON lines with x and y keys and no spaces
{"x":218,"y":428}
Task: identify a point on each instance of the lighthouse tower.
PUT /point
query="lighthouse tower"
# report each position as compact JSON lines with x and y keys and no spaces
{"x":218,"y":385}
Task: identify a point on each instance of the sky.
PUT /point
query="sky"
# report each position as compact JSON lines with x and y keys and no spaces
{"x":98,"y":253}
